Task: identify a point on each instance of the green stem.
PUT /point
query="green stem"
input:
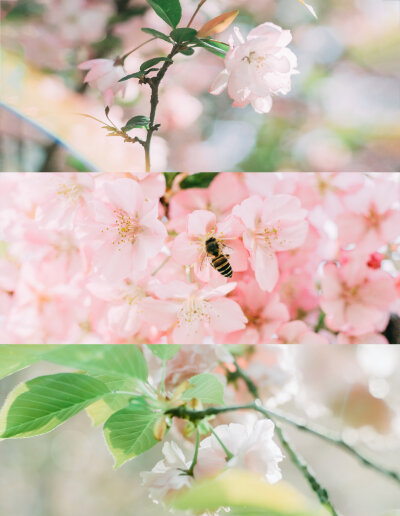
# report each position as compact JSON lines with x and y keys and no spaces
{"x":229,"y":454}
{"x":196,"y":453}
{"x":320,"y":323}
{"x":157,"y":269}
{"x":300,"y":463}
{"x":154,"y":83}
{"x":232,"y":376}
{"x":136,"y":48}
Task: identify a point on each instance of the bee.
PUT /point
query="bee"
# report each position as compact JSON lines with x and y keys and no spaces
{"x":219,"y":260}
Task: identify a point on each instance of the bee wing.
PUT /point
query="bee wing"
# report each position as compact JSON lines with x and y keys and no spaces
{"x":228,"y":251}
{"x":202,"y":260}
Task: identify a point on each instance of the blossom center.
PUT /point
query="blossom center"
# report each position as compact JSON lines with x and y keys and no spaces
{"x":134,"y":295}
{"x":194,"y":310}
{"x":126,"y":228}
{"x":254,"y":58}
{"x":351,"y":294}
{"x":72,"y":191}
{"x":268,"y":235}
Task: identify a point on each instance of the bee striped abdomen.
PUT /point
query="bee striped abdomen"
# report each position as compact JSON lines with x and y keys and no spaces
{"x":221,"y":264}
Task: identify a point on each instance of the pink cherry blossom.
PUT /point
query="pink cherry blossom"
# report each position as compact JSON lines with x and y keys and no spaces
{"x":264,"y":311}
{"x":297,"y":332}
{"x":190,"y":314}
{"x":258,"y":67}
{"x":372,"y":218}
{"x":123,"y":233}
{"x":251,"y":444}
{"x":190,"y":247}
{"x":124,"y":312}
{"x":189,"y":361}
{"x":166,"y":476}
{"x":104,"y":75}
{"x":213,"y":198}
{"x":272,"y":225}
{"x":356,"y":298}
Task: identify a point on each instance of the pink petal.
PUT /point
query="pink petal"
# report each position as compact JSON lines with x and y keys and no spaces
{"x":87,"y":65}
{"x":249,"y":211}
{"x":184,"y":251}
{"x":282,"y":207}
{"x":108,"y":97}
{"x":330,"y":282}
{"x":160,"y":313}
{"x":379,"y":293}
{"x":125,"y":194}
{"x":291,"y":237}
{"x":186,"y":333}
{"x":262,"y":104}
{"x":351,"y":228}
{"x":226,"y":182}
{"x":200,"y":222}
{"x":266,"y":268}
{"x":219,"y":83}
{"x":363,"y":319}
{"x":226,"y":316}
{"x":238,"y":257}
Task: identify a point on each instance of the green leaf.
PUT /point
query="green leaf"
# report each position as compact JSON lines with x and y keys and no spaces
{"x":102,"y":409}
{"x":199,"y":180}
{"x":183,"y":34}
{"x":244,"y":492}
{"x":169,"y":10}
{"x":129,"y":432}
{"x":187,"y":51}
{"x":156,"y":34}
{"x":136,"y":122}
{"x":41,"y":404}
{"x":152,"y":62}
{"x":13,"y":358}
{"x":135,"y":75}
{"x":164,"y":351}
{"x":205,"y":387}
{"x":118,"y":360}
{"x":215,"y":47}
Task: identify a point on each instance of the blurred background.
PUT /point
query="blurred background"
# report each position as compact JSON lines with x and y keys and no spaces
{"x":342,"y":113}
{"x":350,"y":390}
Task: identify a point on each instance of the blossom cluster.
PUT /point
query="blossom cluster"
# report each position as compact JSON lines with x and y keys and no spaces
{"x":128,"y":258}
{"x":284,"y":377}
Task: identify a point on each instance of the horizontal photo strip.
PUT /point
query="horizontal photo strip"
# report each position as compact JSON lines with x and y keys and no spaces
{"x":208,"y":258}
{"x":244,"y":85}
{"x":199,"y":430}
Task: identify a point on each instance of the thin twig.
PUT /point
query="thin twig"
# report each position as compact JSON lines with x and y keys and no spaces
{"x":202,"y":2}
{"x":301,"y":464}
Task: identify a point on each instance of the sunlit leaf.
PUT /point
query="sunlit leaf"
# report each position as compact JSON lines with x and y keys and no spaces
{"x":102,"y":409}
{"x":41,"y":404}
{"x":218,"y":24}
{"x":13,"y":358}
{"x":115,"y":359}
{"x":243,"y":491}
{"x":130,"y":432}
{"x":205,"y":387}
{"x":164,"y":351}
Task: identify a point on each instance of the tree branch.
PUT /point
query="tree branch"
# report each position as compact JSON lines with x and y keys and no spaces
{"x":197,"y":415}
